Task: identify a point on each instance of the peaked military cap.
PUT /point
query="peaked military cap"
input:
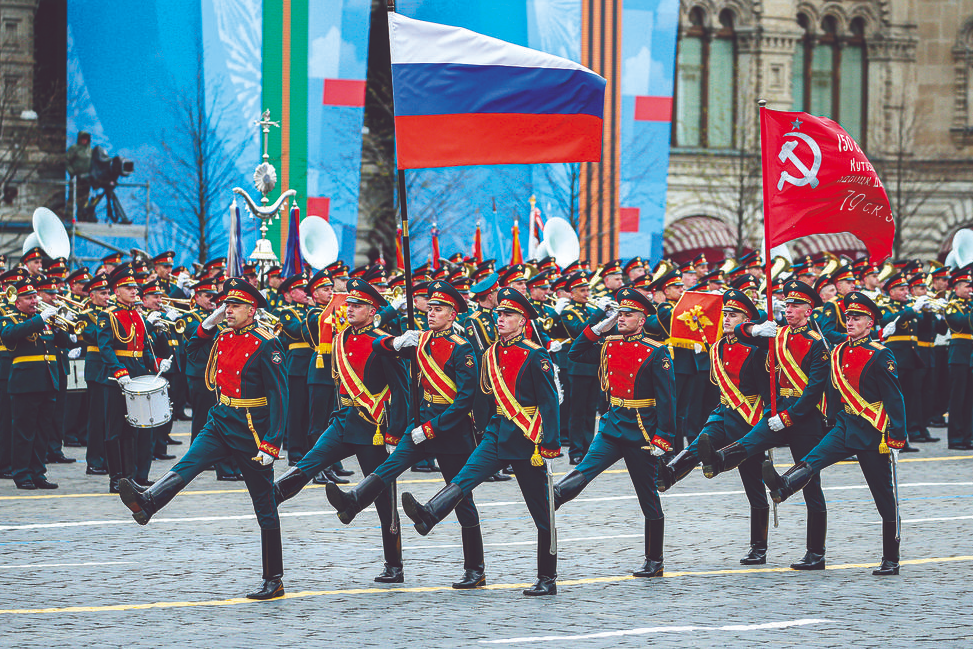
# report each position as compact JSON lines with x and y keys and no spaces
{"x":858,"y":303}
{"x":513,"y":301}
{"x":798,"y":291}
{"x":736,"y":300}
{"x":442,"y":292}
{"x":630,"y":299}
{"x":361,"y":292}
{"x":238,"y":290}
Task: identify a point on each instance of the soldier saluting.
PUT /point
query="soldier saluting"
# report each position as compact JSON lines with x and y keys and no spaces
{"x":449,"y":374}
{"x":637,"y":374}
{"x":246,"y":370}
{"x":524,"y":430}
{"x":870,"y":422}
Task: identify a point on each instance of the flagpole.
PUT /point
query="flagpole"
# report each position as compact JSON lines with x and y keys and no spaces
{"x":772,"y":359}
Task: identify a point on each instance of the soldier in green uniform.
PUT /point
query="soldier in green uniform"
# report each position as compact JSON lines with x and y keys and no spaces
{"x":959,"y":317}
{"x":830,"y":317}
{"x":299,"y":354}
{"x":274,"y":298}
{"x":94,"y":374}
{"x":582,"y":371}
{"x":7,"y":279}
{"x":162,"y":267}
{"x":33,"y":383}
{"x":899,"y":322}
{"x":245,"y":367}
{"x":164,"y":344}
{"x":929,"y":324}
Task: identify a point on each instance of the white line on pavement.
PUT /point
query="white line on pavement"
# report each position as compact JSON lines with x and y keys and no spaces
{"x":660,"y":629}
{"x":480,"y":505}
{"x":66,"y":565}
{"x":926,"y":520}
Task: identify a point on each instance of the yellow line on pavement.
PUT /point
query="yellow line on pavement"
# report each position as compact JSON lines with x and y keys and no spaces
{"x":435,"y":589}
{"x":211,"y":492}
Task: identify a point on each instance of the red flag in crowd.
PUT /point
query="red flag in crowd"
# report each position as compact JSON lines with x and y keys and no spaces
{"x":399,"y":259}
{"x":478,"y":244}
{"x":817,"y":180}
{"x":435,"y":247}
{"x":516,"y":257}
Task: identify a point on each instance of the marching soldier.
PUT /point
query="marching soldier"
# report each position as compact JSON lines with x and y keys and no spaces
{"x":900,"y":328}
{"x":123,"y":343}
{"x":320,"y":330}
{"x":299,"y":355}
{"x":372,"y":409}
{"x":520,"y":375}
{"x":870,"y":422}
{"x":582,"y":370}
{"x":76,"y":401}
{"x":246,"y":369}
{"x":830,"y":316}
{"x":959,"y":317}
{"x":801,"y":359}
{"x":636,"y":372}
{"x":449,"y":374}
{"x":33,"y":384}
{"x":94,"y":375}
{"x":740,"y":372}
{"x":47,"y":290}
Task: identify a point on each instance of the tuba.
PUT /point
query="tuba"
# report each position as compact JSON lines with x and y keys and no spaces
{"x":49,"y":235}
{"x":560,"y":241}
{"x":319,"y":243}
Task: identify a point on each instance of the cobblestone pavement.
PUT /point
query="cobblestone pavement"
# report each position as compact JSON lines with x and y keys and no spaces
{"x":79,"y":571}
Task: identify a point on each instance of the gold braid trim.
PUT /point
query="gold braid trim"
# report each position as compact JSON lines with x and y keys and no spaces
{"x":484,"y":372}
{"x":115,"y":324}
{"x":602,"y":377}
{"x":209,"y":376}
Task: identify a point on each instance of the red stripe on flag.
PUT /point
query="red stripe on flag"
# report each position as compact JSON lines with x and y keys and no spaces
{"x":344,"y":92}
{"x":628,"y":219}
{"x":319,"y":206}
{"x":424,"y":141}
{"x":653,"y":109}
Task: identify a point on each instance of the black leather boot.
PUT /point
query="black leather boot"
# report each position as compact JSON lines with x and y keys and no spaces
{"x":358,"y":498}
{"x":473,"y":575}
{"x":817,"y":530}
{"x":784,"y":486}
{"x":717,"y":462}
{"x":116,"y":471}
{"x":680,"y":466}
{"x":290,"y":484}
{"x":654,"y":542}
{"x":426,"y":516}
{"x":759,"y":524}
{"x":546,"y":567}
{"x":890,"y":551}
{"x":273,"y":563}
{"x":568,"y":487}
{"x":391,"y":575}
{"x":146,"y":502}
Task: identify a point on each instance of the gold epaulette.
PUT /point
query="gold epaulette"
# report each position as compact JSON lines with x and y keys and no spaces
{"x":532,"y":344}
{"x":876,"y":345}
{"x":458,"y":339}
{"x":614,"y":337}
{"x":647,"y":339}
{"x":264,"y":333}
{"x":814,"y":334}
{"x":381,"y":332}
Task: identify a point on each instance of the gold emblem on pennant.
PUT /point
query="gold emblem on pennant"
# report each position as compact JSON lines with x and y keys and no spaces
{"x":695,"y":318}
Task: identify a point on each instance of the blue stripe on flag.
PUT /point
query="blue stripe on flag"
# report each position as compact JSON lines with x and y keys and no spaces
{"x":451,"y":88}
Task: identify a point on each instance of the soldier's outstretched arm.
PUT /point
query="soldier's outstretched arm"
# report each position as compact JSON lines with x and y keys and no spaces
{"x":274,"y":378}
{"x":888,"y":387}
{"x":664,"y":383}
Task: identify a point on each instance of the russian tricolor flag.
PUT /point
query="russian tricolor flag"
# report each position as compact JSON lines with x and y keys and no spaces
{"x":462,"y":98}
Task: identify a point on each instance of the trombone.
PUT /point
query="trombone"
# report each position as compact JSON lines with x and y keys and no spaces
{"x":270,"y":321}
{"x":62,"y":321}
{"x":182,"y":306}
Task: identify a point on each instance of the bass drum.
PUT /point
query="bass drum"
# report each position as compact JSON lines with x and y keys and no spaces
{"x":147,"y":401}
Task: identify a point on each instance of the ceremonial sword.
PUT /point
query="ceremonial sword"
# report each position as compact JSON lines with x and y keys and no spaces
{"x":895,"y":489}
{"x":549,"y":465}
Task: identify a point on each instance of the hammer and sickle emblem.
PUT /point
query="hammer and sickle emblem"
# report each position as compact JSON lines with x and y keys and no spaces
{"x":810,"y":176}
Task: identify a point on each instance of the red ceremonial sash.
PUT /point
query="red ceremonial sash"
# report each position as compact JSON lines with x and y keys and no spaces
{"x":751,"y":412}
{"x":873,"y":413}
{"x":372,"y":403}
{"x":529,"y":425}
{"x":431,"y":370}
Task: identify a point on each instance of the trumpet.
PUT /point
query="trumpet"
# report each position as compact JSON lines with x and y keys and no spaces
{"x":179,"y":326}
{"x":270,"y":321}
{"x":63,"y":321}
{"x":63,"y":302}
{"x":182,"y":306}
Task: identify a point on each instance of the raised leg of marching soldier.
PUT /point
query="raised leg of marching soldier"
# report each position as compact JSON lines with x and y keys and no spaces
{"x":405,"y":455}
{"x":328,"y":450}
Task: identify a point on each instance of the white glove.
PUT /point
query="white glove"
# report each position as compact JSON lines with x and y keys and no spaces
{"x":776,"y":423}
{"x":605,"y":324}
{"x":47,"y":313}
{"x":603,"y":302}
{"x":418,"y":435}
{"x":922,"y":302}
{"x":561,"y":303}
{"x":154,"y":317}
{"x":409,"y":339}
{"x":73,"y":338}
{"x":389,"y":448}
{"x":889,"y":329}
{"x":75,"y":353}
{"x":655,"y":451}
{"x":70,"y":316}
{"x":766,"y":329}
{"x":215,"y":318}
{"x":555,"y":346}
{"x":125,"y":380}
{"x":164,"y":365}
{"x":265,"y":459}
{"x":183,"y":280}
{"x":398,"y":303}
{"x":697,"y":348}
{"x":172,"y":314}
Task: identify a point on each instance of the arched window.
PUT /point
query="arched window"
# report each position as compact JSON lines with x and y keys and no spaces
{"x":706,"y":83}
{"x":830,"y":73}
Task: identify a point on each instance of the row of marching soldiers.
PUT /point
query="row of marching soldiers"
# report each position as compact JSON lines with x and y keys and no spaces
{"x":505,"y":387}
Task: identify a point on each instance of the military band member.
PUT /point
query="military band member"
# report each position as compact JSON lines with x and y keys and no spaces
{"x":76,"y":401}
{"x":929,"y":324}
{"x":299,"y":355}
{"x":449,"y":375}
{"x":830,"y":316}
{"x":900,"y":327}
{"x":637,"y":374}
{"x":162,"y":267}
{"x":246,"y":370}
{"x":938,"y":386}
{"x":524,"y":430}
{"x":33,"y":261}
{"x":34,"y":380}
{"x":582,"y":370}
{"x":7,"y":279}
{"x":740,"y":372}
{"x":165,"y":343}
{"x":801,"y":361}
{"x":634,"y":268}
{"x":123,"y":343}
{"x":372,"y":410}
{"x":871,"y":421}
{"x":47,"y":290}
{"x":959,"y":317}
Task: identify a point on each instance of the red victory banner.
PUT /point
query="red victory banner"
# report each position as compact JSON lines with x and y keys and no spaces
{"x":697,"y":319}
{"x":817,"y":180}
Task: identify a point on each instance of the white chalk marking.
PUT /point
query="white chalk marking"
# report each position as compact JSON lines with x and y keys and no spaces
{"x":66,"y":565}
